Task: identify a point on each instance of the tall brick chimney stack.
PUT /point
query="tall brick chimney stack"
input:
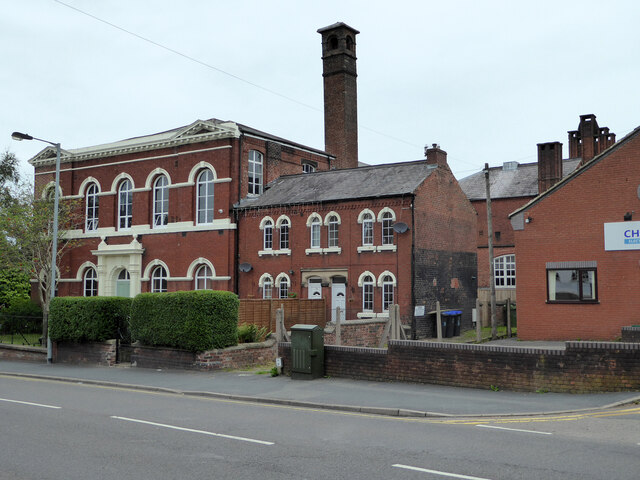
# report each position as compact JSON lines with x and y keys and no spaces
{"x":549,"y":165}
{"x":340,"y":93}
{"x":589,"y":139}
{"x":436,"y":156}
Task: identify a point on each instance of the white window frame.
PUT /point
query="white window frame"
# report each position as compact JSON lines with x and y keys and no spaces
{"x":255,"y":172}
{"x":90,"y":282}
{"x":92,"y":211}
{"x":388,"y":291}
{"x":367,"y":229}
{"x":125,"y":204}
{"x":315,"y":226}
{"x":159,"y":280}
{"x":205,"y":197}
{"x":333,"y":230}
{"x":387,"y":219}
{"x":160,"y":202}
{"x":308,"y":168}
{"x":284,"y":228}
{"x":283,"y":284}
{"x":368,"y":284}
{"x":203,"y":278}
{"x":267,"y":235}
{"x":504,"y":271}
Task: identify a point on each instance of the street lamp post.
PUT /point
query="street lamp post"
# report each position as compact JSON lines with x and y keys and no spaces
{"x":54,"y":247}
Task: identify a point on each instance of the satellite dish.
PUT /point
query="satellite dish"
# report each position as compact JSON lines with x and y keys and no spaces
{"x":245,"y":267}
{"x":400,"y":227}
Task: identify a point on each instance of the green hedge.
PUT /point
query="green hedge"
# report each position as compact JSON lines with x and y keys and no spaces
{"x":21,"y":316}
{"x":89,"y":319}
{"x":195,"y":321}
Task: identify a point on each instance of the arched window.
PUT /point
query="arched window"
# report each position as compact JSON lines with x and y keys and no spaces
{"x":349,"y":42}
{"x":333,"y":226}
{"x":387,"y":228}
{"x":125,"y":205}
{"x":204,"y":205}
{"x":504,"y":271}
{"x":267,"y":287}
{"x":91,"y":216}
{"x":367,"y":282}
{"x":160,"y":202}
{"x":204,"y":278}
{"x":268,"y":235}
{"x":284,"y":234}
{"x":159,"y":280}
{"x":283,"y":287}
{"x":367,"y":229}
{"x":315,"y":232}
{"x":255,"y":172}
{"x":333,"y":42}
{"x":90,"y":283}
{"x":388,"y":284}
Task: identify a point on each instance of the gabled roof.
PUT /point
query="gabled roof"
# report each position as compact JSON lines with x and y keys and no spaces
{"x":576,"y":173}
{"x":512,"y":180}
{"x":198,"y":131}
{"x":345,"y":184}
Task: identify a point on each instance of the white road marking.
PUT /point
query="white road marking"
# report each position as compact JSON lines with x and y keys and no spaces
{"x":436,"y":472}
{"x":203,"y":432}
{"x":29,"y":403}
{"x":514,"y":429}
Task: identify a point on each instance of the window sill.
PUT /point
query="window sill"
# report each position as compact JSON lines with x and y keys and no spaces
{"x":284,"y":251}
{"x":367,"y":315}
{"x":573,"y":302}
{"x":311,"y":251}
{"x":366,"y":248}
{"x":332,"y":250}
{"x":387,"y":248}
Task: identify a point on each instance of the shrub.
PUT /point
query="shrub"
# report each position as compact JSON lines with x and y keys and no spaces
{"x":21,"y":316}
{"x":249,"y":333}
{"x":89,"y":319}
{"x":195,"y":320}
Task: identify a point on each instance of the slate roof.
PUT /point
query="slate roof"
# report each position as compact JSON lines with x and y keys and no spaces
{"x":510,"y":183}
{"x":345,"y":184}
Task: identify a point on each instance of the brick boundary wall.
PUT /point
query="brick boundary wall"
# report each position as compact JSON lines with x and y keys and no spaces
{"x":78,"y":353}
{"x":239,"y":356}
{"x":631,"y":334}
{"x":581,"y":367}
{"x":356,"y":333}
{"x":23,"y":353}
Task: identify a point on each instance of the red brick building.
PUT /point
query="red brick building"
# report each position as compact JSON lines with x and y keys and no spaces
{"x":513,"y":185}
{"x":363,"y":239}
{"x":159,"y":208}
{"x":578,"y":250}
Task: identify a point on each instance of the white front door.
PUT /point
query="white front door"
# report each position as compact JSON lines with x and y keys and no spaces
{"x":315,"y":290}
{"x":338,"y":299}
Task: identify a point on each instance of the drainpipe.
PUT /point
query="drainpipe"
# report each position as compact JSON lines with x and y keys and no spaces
{"x":414,"y":334}
{"x":236,"y":218}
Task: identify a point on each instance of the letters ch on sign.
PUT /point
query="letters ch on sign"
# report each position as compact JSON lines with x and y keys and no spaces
{"x":631,"y":236}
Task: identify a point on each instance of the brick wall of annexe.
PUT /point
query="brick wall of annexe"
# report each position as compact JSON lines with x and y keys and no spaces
{"x":581,"y":367}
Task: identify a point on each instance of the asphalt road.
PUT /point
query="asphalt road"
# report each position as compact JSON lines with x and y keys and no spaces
{"x":52,"y":430}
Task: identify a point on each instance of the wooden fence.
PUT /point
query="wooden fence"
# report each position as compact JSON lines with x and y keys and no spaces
{"x":296,"y":310}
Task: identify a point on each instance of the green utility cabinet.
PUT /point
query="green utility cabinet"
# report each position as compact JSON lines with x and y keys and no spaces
{"x":307,"y":352}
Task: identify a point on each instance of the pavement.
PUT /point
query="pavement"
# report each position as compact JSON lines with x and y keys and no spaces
{"x":384,"y":398}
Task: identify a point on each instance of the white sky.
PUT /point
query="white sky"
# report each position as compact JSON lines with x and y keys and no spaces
{"x":485,"y":80}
